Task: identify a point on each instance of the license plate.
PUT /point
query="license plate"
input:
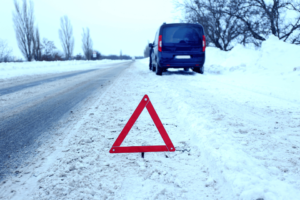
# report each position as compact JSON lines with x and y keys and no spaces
{"x":183,"y":57}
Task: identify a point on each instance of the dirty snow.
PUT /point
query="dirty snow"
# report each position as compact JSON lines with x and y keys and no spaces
{"x":236,"y":130}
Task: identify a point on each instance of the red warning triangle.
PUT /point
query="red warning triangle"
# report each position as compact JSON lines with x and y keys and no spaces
{"x":116,"y":148}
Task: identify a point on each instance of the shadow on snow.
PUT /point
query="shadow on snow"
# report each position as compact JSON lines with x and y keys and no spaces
{"x":179,"y":72}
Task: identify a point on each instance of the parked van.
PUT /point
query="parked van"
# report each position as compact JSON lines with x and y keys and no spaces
{"x":180,"y":45}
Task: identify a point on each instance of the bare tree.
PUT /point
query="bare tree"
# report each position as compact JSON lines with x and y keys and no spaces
{"x":48,"y":47}
{"x":262,"y":17}
{"x":58,"y":55}
{"x":79,"y":57}
{"x":66,"y":36}
{"x":23,"y":19}
{"x":5,"y":51}
{"x":37,"y":46}
{"x":221,"y":29}
{"x":87,"y":43}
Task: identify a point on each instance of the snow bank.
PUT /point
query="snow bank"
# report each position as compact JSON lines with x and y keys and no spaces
{"x":243,"y":122}
{"x":9,"y":70}
{"x":274,"y":69}
{"x":274,"y":57}
{"x":236,"y":134}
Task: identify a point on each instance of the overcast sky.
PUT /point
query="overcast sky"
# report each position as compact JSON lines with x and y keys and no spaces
{"x":115,"y":25}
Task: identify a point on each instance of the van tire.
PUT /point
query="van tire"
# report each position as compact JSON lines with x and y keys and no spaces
{"x":150,"y":63}
{"x":199,"y":70}
{"x":186,"y":69}
{"x":153,"y":68}
{"x":158,"y":70}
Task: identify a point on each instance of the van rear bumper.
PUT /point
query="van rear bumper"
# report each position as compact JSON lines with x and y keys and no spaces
{"x":167,"y":60}
{"x":181,"y":64}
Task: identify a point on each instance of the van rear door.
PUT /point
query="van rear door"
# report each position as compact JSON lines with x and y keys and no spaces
{"x":182,"y":41}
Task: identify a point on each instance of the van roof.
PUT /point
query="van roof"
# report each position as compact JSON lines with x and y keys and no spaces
{"x":197,"y":24}
{"x":181,"y":24}
{"x":165,"y":24}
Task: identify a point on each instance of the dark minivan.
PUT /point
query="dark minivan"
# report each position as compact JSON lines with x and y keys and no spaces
{"x":180,"y":45}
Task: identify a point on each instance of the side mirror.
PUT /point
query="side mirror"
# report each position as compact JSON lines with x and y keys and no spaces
{"x":150,"y":45}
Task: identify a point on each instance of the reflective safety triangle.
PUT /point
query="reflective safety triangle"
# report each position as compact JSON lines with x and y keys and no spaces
{"x":145,"y":102}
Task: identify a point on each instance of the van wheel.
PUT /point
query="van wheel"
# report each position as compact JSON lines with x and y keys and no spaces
{"x":186,"y":69}
{"x":150,"y":63}
{"x":158,"y":70}
{"x":153,"y":68}
{"x":199,"y":70}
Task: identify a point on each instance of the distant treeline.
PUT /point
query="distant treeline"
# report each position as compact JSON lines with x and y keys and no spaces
{"x":34,"y":48}
{"x":99,"y":56}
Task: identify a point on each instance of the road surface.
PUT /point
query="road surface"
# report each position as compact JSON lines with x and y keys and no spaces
{"x":30,"y":109}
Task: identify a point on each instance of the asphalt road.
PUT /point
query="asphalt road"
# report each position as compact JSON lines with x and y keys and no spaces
{"x":16,"y":88}
{"x":23,"y":122}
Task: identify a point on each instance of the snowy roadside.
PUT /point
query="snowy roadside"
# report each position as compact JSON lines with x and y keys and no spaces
{"x":236,"y":130}
{"x":248,"y":135}
{"x":248,"y":139}
{"x":230,"y":148}
{"x":11,"y":70}
{"x":81,"y":166}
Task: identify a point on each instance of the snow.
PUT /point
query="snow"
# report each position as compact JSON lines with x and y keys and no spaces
{"x":274,"y":57}
{"x":236,"y":130}
{"x":10,"y":70}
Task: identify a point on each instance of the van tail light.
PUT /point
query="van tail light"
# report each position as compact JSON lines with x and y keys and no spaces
{"x":203,"y":43}
{"x":160,"y":43}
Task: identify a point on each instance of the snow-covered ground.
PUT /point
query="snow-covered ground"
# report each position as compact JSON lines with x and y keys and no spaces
{"x":236,"y":130}
{"x":10,"y":70}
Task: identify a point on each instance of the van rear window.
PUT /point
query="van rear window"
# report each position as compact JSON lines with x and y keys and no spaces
{"x":182,"y":35}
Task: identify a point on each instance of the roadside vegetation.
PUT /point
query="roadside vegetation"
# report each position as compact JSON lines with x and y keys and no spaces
{"x":36,"y":48}
{"x":247,"y":22}
{"x":226,"y":24}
